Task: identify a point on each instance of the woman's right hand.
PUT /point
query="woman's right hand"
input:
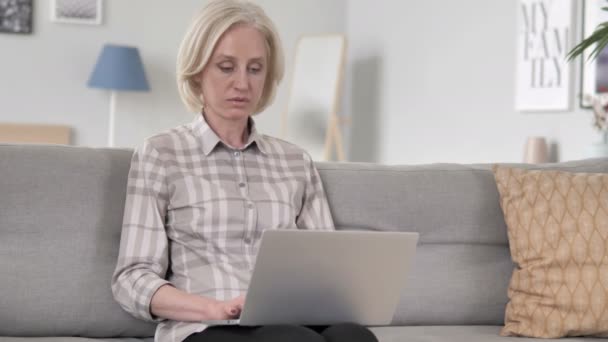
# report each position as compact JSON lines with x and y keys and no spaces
{"x":229,"y":309}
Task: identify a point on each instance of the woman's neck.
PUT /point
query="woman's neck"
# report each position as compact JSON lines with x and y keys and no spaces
{"x":234,"y":133}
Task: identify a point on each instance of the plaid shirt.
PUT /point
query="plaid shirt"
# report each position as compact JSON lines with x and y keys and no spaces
{"x":200,"y":206}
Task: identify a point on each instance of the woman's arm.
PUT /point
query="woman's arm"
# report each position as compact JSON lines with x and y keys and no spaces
{"x":315,"y":212}
{"x":169,"y":302}
{"x":143,"y":257}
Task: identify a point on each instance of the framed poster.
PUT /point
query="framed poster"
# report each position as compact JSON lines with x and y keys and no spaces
{"x":76,"y":11}
{"x":594,"y":73}
{"x":16,"y":16}
{"x":544,"y":35}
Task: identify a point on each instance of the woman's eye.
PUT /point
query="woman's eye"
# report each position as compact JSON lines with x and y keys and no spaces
{"x":226,"y":69}
{"x":255,"y":70}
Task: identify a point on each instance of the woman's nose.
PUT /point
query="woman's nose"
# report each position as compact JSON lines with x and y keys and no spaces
{"x":241,"y":80}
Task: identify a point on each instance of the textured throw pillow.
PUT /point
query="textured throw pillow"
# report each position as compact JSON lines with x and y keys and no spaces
{"x":558,"y":236}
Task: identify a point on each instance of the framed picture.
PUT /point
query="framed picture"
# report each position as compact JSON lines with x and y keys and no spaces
{"x":16,"y":16}
{"x":543,"y":77}
{"x":76,"y":11}
{"x":594,"y":73}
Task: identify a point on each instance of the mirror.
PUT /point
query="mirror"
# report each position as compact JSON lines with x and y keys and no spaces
{"x":310,"y":120}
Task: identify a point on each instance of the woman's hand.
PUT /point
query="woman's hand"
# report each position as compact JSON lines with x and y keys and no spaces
{"x":229,"y":309}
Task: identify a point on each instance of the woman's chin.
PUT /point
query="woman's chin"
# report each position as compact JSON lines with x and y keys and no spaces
{"x":237,"y":113}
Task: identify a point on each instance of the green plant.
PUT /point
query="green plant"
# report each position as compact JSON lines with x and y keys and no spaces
{"x":599,"y":102}
{"x":598,"y":37}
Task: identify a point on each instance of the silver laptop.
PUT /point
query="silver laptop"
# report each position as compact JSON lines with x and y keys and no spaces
{"x":308,"y":277}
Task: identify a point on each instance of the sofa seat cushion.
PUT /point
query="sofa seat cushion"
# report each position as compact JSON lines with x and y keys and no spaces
{"x":461,"y":333}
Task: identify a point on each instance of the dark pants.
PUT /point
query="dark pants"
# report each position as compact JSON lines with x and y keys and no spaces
{"x":284,"y":333}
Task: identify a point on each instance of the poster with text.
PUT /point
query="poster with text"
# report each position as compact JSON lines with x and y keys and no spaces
{"x":544,"y":35}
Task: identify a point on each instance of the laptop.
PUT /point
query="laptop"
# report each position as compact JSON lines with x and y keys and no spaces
{"x":308,"y":277}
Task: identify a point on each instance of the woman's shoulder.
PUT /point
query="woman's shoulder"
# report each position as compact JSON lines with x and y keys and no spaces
{"x":165,"y":141}
{"x":280,"y":146}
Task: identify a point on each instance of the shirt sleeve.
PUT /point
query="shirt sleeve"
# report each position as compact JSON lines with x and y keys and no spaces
{"x":315,"y":212}
{"x":143,"y":257}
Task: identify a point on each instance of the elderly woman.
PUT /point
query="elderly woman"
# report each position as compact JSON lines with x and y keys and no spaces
{"x":199,"y":195}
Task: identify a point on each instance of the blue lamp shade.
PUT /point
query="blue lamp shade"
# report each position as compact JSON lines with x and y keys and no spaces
{"x":119,"y":68}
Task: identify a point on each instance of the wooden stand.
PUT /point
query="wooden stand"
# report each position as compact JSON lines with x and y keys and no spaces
{"x":318,"y":66}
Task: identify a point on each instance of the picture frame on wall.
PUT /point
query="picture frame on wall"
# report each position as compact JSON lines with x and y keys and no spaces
{"x":16,"y":16}
{"x":543,"y":75}
{"x":594,"y":73}
{"x":77,"y":11}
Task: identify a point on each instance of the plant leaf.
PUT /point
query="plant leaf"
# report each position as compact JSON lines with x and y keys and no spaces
{"x":599,"y":37}
{"x":601,"y":44}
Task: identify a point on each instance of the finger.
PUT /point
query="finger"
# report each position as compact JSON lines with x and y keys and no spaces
{"x":232,"y":310}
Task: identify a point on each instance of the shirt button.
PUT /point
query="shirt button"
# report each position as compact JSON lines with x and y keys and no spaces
{"x":250,"y":205}
{"x":242,"y":185}
{"x":237,"y":153}
{"x":247,"y":240}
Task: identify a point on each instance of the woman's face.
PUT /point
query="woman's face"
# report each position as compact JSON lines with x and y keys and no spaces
{"x":233,"y":80}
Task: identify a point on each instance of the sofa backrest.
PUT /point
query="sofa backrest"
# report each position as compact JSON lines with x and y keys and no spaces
{"x":61,"y":211}
{"x":60,"y":220}
{"x":462,"y":266}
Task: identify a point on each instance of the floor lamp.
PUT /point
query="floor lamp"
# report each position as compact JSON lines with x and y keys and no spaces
{"x":118,"y":68}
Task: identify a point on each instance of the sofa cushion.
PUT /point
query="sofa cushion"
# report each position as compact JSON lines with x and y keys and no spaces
{"x":60,"y":220}
{"x":470,"y":333}
{"x":558,"y":233}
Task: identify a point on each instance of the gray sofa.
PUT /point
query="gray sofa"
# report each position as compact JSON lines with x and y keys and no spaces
{"x":60,"y":220}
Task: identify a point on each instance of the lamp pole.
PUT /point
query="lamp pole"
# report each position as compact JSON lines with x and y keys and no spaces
{"x":112,"y":118}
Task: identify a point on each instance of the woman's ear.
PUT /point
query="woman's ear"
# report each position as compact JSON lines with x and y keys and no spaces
{"x":198,"y":85}
{"x":198,"y":80}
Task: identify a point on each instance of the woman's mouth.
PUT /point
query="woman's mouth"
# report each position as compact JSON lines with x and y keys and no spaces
{"x":239,"y":102}
{"x":238,"y":99}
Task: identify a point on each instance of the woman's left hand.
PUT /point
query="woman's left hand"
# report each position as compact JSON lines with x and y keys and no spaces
{"x":234,"y":307}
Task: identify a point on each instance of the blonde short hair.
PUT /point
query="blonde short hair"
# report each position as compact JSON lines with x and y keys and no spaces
{"x":202,"y":37}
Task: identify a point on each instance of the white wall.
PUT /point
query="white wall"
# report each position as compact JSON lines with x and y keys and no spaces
{"x":43,"y":76}
{"x":427,"y":81}
{"x":433,"y":81}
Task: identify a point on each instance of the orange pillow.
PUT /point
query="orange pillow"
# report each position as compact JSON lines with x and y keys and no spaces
{"x":558,"y":236}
